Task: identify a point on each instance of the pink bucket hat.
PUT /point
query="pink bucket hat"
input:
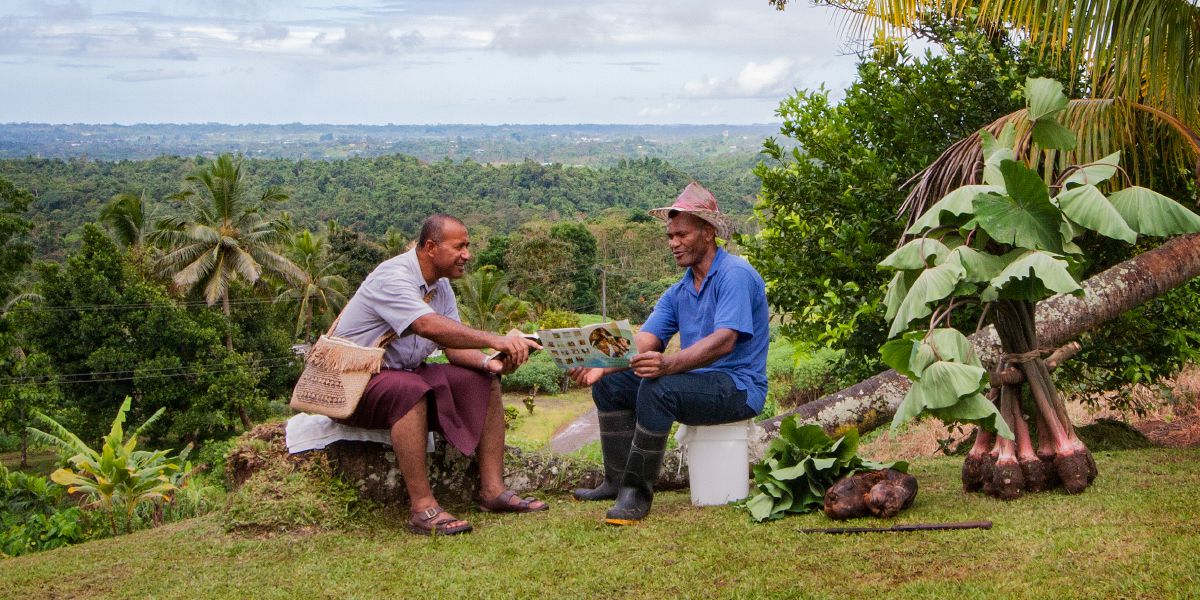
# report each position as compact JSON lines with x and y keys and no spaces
{"x":698,"y":201}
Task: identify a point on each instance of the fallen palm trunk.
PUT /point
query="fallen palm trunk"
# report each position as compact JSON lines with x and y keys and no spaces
{"x":1060,"y":319}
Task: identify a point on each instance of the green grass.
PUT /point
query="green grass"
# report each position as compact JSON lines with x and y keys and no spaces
{"x":550,"y":413}
{"x":1132,"y":535}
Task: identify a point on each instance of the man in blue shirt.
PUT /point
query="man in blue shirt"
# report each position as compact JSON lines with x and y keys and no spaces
{"x":719,"y":310}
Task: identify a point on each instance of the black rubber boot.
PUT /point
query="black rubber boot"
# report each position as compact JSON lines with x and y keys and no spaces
{"x":616,"y":434}
{"x":637,"y":487}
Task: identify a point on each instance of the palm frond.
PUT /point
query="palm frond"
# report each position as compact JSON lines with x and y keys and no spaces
{"x":62,"y":437}
{"x":244,"y":264}
{"x":216,"y":285}
{"x":1103,"y":126}
{"x":196,"y":271}
{"x":277,"y":264}
{"x":126,"y":217}
{"x":182,"y":256}
{"x":1143,"y":50}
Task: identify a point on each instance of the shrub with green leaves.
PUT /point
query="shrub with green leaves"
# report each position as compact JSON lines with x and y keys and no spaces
{"x":539,"y":371}
{"x":35,"y":516}
{"x":118,"y":476}
{"x":799,"y":465}
{"x":797,"y":375}
{"x":557,"y":319}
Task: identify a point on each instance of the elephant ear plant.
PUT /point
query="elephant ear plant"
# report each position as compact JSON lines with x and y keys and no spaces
{"x":1008,"y":243}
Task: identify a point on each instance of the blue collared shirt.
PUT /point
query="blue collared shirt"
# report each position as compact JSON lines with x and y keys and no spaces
{"x":732,"y":296}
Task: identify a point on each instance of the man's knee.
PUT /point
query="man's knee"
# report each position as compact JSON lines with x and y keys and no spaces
{"x":653,"y":391}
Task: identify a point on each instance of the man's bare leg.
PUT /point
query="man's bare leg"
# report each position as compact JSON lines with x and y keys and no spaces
{"x":491,"y":446}
{"x":409,"y":436}
{"x":491,"y":450}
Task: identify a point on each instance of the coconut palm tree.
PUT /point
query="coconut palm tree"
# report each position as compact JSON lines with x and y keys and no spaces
{"x":485,"y":302}
{"x":320,"y":294}
{"x":225,"y":237}
{"x":129,"y":220}
{"x":395,"y":242}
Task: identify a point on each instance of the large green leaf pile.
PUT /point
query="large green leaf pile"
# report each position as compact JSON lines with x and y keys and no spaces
{"x":800,"y":464}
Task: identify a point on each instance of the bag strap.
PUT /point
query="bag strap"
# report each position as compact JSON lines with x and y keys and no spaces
{"x":380,"y":341}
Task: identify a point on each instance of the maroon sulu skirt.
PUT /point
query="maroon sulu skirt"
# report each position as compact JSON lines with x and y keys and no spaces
{"x":458,"y":408}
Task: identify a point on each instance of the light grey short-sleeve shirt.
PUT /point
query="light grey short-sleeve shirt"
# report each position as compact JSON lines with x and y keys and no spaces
{"x":392,"y":297}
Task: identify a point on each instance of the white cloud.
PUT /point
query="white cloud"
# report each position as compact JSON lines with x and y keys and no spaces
{"x":267,"y":32}
{"x":65,"y":11}
{"x":753,"y":81}
{"x":373,"y":40}
{"x":177,"y":54}
{"x":545,"y":32}
{"x":143,"y":75}
{"x":666,"y":110}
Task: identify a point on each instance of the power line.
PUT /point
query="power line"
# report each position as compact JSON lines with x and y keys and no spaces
{"x":137,"y":375}
{"x":133,"y":305}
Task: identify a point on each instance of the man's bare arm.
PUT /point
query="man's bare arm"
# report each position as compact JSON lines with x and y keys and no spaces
{"x":653,"y":364}
{"x":643,"y":341}
{"x":451,"y":334}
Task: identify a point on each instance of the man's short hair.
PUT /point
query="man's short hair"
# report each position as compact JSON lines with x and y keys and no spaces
{"x":433,"y":227}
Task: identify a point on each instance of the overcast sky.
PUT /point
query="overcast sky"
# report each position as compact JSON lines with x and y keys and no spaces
{"x":412,"y":61}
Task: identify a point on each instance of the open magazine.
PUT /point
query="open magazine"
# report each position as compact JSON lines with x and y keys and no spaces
{"x":601,"y":345}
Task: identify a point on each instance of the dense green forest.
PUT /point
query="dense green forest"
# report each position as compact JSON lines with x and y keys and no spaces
{"x":373,"y":195}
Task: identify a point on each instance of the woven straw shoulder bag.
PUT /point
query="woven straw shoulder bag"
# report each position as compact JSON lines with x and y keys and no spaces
{"x":336,"y":372}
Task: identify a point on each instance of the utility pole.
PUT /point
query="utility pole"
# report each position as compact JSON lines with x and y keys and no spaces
{"x":603,"y":293}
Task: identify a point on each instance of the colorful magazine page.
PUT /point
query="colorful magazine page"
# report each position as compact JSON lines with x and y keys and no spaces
{"x":600,"y":345}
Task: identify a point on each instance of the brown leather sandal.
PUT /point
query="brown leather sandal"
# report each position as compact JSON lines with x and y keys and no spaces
{"x":504,"y":503}
{"x":426,"y":522}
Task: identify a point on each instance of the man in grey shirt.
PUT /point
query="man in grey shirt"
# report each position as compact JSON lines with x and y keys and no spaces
{"x":410,"y":294}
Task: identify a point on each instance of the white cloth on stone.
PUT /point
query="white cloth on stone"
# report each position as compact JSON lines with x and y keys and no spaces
{"x":305,"y":432}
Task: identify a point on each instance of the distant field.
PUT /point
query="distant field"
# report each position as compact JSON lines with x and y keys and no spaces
{"x":1132,"y":535}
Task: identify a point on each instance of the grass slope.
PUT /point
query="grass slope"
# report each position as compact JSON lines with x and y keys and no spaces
{"x":1132,"y":535}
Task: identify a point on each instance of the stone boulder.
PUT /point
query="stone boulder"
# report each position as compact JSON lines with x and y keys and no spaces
{"x":371,"y":468}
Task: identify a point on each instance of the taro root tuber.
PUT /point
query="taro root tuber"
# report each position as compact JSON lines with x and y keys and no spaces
{"x":1009,"y":468}
{"x":1008,"y":481}
{"x":893,"y":494}
{"x":972,"y":470}
{"x":880,"y":493}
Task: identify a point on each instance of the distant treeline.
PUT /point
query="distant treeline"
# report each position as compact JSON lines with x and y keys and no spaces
{"x":373,"y":195}
{"x":580,"y":144}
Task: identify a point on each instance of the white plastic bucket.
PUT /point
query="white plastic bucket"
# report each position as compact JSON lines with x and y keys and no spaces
{"x":718,"y":461}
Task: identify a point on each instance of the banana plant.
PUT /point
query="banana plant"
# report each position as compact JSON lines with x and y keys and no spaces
{"x":1008,"y":243}
{"x":118,"y":476}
